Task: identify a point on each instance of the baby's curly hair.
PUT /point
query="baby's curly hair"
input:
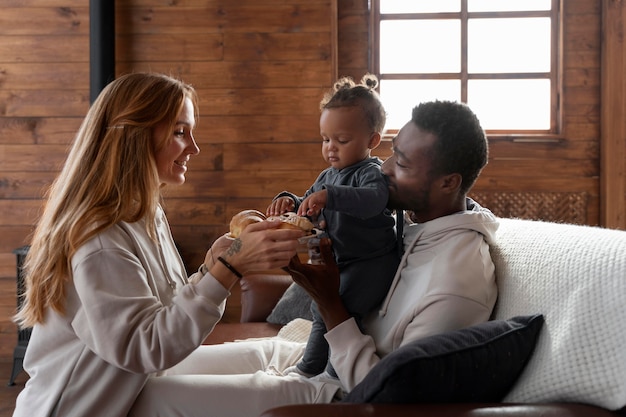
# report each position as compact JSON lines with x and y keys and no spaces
{"x":346,"y":93}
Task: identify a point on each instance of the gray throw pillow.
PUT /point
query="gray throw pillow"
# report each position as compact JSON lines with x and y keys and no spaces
{"x":294,"y":304}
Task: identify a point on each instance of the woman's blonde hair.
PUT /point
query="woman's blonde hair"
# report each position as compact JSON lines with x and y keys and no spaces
{"x":109,"y":176}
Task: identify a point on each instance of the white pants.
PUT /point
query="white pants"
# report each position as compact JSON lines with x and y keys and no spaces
{"x":233,"y":379}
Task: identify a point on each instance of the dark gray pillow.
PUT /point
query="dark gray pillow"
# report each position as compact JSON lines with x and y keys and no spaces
{"x":294,"y":304}
{"x":476,"y":364}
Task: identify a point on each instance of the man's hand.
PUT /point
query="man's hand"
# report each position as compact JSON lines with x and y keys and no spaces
{"x":322,"y":284}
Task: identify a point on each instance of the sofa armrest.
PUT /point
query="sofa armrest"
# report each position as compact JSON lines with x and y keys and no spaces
{"x":260,"y":293}
{"x":439,"y":410}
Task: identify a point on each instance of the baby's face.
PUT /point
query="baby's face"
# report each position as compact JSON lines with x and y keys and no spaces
{"x":345,"y":136}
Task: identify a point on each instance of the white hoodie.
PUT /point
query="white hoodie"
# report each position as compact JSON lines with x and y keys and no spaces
{"x":445,"y":281}
{"x":124,"y":321}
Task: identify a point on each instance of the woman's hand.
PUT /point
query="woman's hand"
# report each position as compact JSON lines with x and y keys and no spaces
{"x":220,"y":245}
{"x":322,"y":284}
{"x":259,"y":247}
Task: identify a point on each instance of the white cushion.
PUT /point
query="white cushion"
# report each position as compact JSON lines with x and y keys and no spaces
{"x":576,"y":277}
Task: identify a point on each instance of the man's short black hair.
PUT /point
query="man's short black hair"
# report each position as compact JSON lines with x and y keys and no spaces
{"x":461,"y":145}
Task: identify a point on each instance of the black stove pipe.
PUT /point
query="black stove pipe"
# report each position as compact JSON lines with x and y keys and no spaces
{"x":101,"y":45}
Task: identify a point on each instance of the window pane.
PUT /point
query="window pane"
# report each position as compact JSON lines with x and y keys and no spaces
{"x":511,"y":104}
{"x":509,"y":45}
{"x":400,"y":96}
{"x":408,"y":46}
{"x":508,"y":5}
{"x":419,"y":6}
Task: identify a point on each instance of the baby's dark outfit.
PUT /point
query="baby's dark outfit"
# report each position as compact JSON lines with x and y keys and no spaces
{"x":363,"y":237}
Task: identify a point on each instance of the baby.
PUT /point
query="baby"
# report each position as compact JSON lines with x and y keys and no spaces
{"x":350,"y":198}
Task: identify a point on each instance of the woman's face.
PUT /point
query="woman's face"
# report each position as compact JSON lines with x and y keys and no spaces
{"x":172,"y":159}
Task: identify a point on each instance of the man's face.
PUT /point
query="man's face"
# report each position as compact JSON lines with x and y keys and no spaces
{"x":408,"y":168}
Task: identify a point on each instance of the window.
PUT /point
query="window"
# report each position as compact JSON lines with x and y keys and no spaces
{"x":499,"y":57}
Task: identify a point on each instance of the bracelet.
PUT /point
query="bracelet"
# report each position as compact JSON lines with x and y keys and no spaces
{"x":203,"y":270}
{"x":230,"y":267}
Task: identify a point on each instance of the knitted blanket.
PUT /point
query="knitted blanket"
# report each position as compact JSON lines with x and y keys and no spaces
{"x":576,"y":277}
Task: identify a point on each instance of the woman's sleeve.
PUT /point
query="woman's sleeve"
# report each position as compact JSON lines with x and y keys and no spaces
{"x":119,"y":317}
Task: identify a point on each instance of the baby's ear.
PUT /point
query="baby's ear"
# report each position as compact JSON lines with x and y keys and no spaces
{"x":374,"y":140}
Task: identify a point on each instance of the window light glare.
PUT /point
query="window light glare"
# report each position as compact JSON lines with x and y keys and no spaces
{"x":402,"y":52}
{"x":507,"y":6}
{"x":419,"y":6}
{"x":521,"y":45}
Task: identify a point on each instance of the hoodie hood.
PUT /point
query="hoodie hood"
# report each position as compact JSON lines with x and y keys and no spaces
{"x":475,"y":218}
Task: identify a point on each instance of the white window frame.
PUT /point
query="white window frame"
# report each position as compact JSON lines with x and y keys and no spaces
{"x":554,"y":75}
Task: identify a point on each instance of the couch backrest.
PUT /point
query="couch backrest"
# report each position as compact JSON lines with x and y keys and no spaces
{"x":576,"y":277}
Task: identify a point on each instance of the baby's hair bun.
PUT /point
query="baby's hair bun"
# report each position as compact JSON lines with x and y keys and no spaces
{"x":370,"y":81}
{"x":343,"y":83}
{"x":346,"y":93}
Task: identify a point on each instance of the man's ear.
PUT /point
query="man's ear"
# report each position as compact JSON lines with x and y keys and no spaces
{"x":374,"y":140}
{"x":451,"y":183}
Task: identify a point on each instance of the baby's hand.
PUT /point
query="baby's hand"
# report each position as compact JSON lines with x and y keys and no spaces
{"x":279,"y":206}
{"x":313,"y":204}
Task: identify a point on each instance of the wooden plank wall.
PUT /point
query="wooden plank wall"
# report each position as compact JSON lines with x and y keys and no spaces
{"x":613,"y":128}
{"x":260,"y":68}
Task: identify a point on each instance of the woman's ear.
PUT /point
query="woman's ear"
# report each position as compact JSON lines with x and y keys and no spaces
{"x":374,"y":140}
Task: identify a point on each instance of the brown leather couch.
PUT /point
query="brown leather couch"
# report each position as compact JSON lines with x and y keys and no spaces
{"x":259,"y":294}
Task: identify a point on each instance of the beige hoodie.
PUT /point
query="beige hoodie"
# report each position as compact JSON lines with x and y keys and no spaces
{"x":445,"y":281}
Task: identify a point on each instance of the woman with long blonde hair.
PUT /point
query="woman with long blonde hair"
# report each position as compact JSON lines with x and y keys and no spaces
{"x":107,"y":293}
